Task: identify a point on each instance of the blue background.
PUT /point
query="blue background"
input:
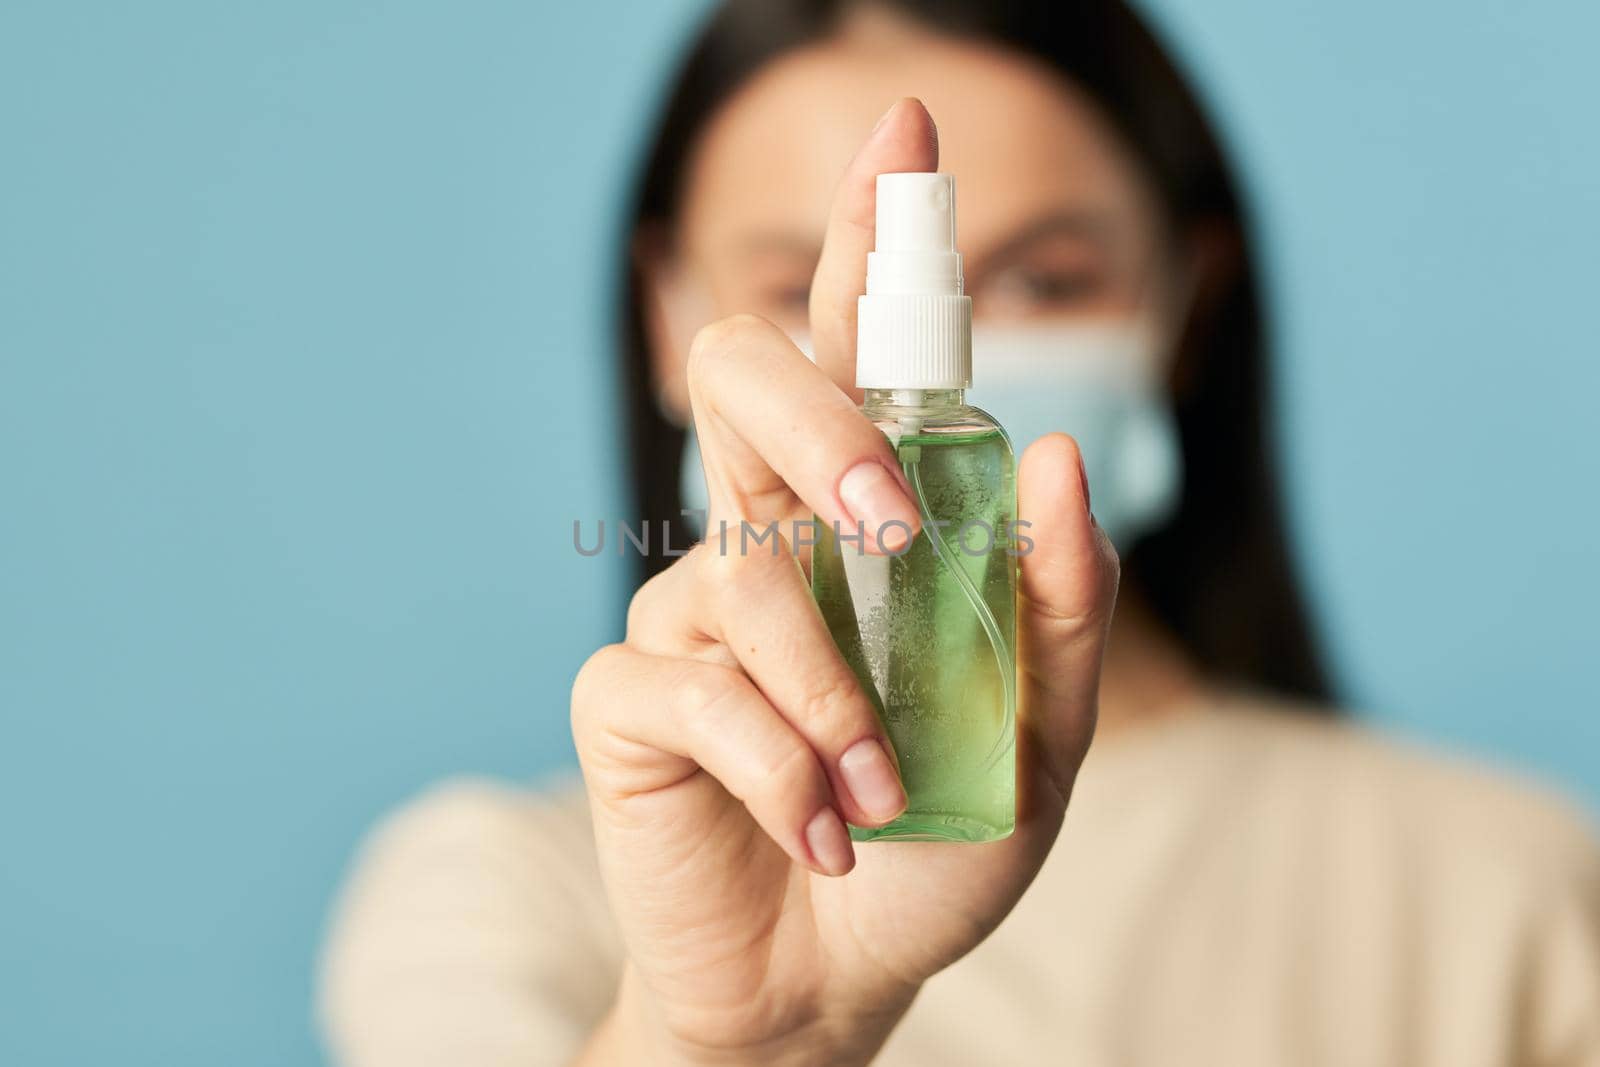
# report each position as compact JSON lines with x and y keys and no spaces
{"x":304,"y":375}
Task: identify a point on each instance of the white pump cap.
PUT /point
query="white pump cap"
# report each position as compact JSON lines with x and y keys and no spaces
{"x":914,"y":325}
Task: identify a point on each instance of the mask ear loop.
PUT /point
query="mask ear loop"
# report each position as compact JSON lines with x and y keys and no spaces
{"x":1166,"y":333}
{"x":674,"y":303}
{"x":1169,"y":324}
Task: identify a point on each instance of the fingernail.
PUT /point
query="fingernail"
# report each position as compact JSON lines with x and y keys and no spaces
{"x":1083,"y":479}
{"x":874,"y":498}
{"x":870,"y":777}
{"x":885,"y":116}
{"x":829,"y":842}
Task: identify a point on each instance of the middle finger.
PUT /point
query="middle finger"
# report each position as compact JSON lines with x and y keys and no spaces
{"x":756,"y":609}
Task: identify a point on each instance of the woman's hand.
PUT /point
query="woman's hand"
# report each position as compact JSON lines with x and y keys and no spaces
{"x":725,"y":743}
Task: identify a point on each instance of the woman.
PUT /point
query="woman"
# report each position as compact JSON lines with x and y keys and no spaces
{"x":1242,"y":879}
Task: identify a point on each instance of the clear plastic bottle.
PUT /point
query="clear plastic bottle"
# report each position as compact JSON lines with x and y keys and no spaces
{"x":930,"y":632}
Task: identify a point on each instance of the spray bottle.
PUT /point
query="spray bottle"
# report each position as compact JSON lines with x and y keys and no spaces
{"x":930,"y":631}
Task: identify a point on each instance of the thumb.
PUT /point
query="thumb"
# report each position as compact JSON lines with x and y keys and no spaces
{"x":1068,"y":589}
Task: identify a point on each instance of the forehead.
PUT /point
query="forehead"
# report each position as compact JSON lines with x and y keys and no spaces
{"x":1021,"y":141}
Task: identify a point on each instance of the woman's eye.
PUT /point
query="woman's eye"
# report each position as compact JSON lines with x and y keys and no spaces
{"x":1049,"y":289}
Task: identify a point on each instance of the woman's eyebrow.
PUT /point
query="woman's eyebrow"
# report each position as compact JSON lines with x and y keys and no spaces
{"x":1082,"y":224}
{"x":1091,"y":226}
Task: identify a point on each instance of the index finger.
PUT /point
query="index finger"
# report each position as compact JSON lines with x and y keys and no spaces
{"x":905,"y":139}
{"x":774,"y":433}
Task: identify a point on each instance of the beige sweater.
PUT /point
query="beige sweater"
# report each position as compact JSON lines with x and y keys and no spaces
{"x":1233,"y":886}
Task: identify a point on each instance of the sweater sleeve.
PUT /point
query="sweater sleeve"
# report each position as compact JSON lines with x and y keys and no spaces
{"x":473,"y":931}
{"x":1561,"y":1002}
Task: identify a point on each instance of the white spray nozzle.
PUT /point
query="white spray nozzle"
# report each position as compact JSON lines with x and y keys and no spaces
{"x":915,"y":247}
{"x":914,"y":326}
{"x":916,"y":213}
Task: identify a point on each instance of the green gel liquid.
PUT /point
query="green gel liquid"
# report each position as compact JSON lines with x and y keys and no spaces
{"x":926,"y":656}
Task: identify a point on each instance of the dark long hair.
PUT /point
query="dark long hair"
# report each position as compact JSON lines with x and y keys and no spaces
{"x":1219,"y":573}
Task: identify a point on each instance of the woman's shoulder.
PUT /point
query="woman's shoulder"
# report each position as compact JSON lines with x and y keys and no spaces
{"x":475,"y":908}
{"x":535,"y":841}
{"x":474,"y":812}
{"x":1479,"y":883}
{"x":1349,"y":776}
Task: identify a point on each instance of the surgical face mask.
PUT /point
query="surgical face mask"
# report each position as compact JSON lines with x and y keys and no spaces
{"x":1099,"y":382}
{"x":1102,"y":383}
